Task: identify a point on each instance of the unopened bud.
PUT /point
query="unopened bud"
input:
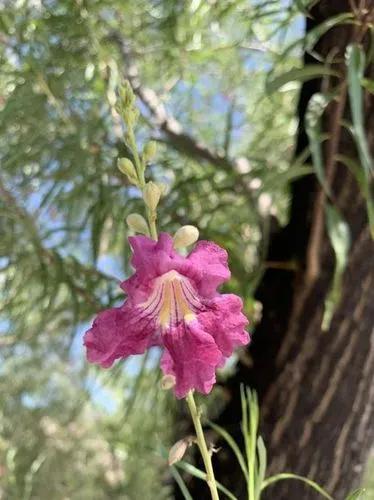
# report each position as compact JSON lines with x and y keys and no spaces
{"x":163,"y":188}
{"x":150,"y":150}
{"x":126,"y":94}
{"x":178,"y":449}
{"x":137,"y":223}
{"x":167,"y":382}
{"x":186,"y":235}
{"x":126,"y":166}
{"x":131,"y":116}
{"x":151,"y":195}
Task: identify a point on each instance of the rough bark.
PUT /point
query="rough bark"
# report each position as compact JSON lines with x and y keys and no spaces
{"x":316,"y":388}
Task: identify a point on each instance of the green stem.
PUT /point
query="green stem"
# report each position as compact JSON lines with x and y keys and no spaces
{"x":152,"y":224}
{"x":139,"y":167}
{"x":210,"y":479}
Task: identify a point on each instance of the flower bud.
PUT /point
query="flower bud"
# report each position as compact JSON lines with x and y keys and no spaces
{"x":151,"y":195}
{"x":150,"y":150}
{"x":186,"y":235}
{"x":178,"y":449}
{"x":131,"y":116}
{"x":126,"y":166}
{"x":167,"y":382}
{"x":163,"y":188}
{"x":126,"y":94}
{"x":137,"y":223}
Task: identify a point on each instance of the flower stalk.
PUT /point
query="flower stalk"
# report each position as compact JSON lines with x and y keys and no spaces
{"x":151,"y":212}
{"x":195,"y":414}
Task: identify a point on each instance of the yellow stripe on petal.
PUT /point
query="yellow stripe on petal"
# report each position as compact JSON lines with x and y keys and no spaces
{"x":174,"y":305}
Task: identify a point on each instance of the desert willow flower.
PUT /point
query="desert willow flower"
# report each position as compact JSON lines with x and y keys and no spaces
{"x":172,"y":302}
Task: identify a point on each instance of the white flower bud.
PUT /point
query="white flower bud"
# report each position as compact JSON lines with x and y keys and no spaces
{"x":167,"y":382}
{"x":126,"y":166}
{"x":178,"y":449}
{"x":186,"y":235}
{"x":151,"y":195}
{"x":137,"y":223}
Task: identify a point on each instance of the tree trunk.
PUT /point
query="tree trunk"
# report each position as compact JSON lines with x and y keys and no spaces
{"x":316,"y":388}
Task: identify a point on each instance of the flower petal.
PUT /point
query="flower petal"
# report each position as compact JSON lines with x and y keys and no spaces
{"x":225,"y":321}
{"x":207,"y":267}
{"x":150,"y":259}
{"x":192,"y":356}
{"x":118,"y":333}
{"x":153,"y":258}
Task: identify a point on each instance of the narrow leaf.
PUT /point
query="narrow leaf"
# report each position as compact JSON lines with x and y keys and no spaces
{"x":286,"y":475}
{"x":356,"y":495}
{"x":368,"y":85}
{"x":194,"y":471}
{"x":180,"y":482}
{"x":355,"y":60}
{"x":339,"y":236}
{"x":235,"y":448}
{"x":298,"y":75}
{"x":315,"y":110}
{"x":262,"y":464}
{"x":316,"y":33}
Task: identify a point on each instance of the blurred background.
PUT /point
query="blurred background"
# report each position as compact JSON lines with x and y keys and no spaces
{"x":228,"y":90}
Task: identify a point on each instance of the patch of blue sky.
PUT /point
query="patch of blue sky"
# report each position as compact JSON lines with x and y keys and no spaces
{"x":101,"y":396}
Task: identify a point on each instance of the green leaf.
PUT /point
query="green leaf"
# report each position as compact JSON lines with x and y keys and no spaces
{"x":182,"y":485}
{"x":235,"y":448}
{"x":355,"y":61}
{"x":305,"y":5}
{"x":368,"y":85}
{"x":315,"y":110}
{"x":316,"y":33}
{"x":298,"y":75}
{"x":194,"y":471}
{"x":339,"y":234}
{"x":287,"y":475}
{"x":309,"y":40}
{"x":356,"y":495}
{"x":262,"y":464}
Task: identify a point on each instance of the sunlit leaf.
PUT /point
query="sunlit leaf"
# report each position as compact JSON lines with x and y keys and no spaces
{"x":313,"y":127}
{"x":298,"y":75}
{"x":339,"y":235}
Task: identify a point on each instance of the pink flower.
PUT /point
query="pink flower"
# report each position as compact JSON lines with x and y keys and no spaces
{"x":173,"y":303}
